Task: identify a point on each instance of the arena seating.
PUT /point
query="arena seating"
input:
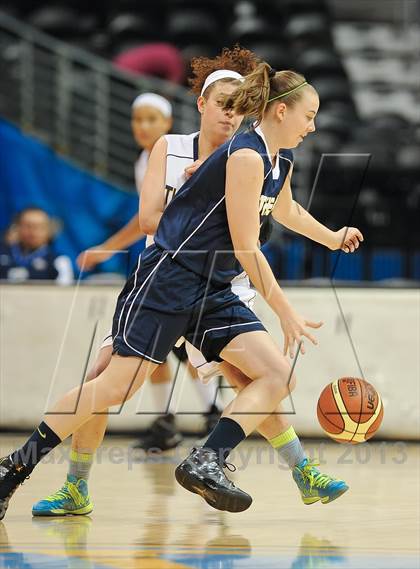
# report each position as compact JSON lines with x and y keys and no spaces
{"x":366,"y":73}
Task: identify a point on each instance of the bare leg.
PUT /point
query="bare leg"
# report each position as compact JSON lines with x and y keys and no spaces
{"x":260,"y":359}
{"x":274,"y":424}
{"x":117,"y":383}
{"x":90,"y":435}
{"x":85,"y":441}
{"x":162,"y":374}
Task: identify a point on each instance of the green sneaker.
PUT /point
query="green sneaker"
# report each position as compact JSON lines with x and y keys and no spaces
{"x":314,"y":485}
{"x":72,"y":499}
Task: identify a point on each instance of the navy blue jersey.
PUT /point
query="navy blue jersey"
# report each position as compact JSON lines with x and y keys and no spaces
{"x":194,"y":226}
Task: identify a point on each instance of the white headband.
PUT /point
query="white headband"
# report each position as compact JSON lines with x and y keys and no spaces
{"x":220,"y":74}
{"x":153,"y":100}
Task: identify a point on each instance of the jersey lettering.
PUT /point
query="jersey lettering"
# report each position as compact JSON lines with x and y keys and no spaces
{"x":266,"y":205}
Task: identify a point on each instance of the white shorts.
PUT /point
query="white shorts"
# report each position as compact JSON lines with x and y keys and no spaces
{"x":209,"y":370}
{"x":107,"y":341}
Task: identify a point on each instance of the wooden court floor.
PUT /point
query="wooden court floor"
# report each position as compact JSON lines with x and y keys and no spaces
{"x":144,"y":520}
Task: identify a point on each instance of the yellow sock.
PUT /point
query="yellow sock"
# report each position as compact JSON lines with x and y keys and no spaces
{"x":283,"y":438}
{"x":80,"y":456}
{"x":80,"y":464}
{"x":289,"y":447}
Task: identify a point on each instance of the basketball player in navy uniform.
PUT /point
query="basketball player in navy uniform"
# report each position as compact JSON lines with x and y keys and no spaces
{"x":208,"y":235}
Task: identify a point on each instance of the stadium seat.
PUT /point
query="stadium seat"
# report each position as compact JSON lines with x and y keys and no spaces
{"x":387,"y":264}
{"x":292,"y":7}
{"x":294,"y":258}
{"x":277,"y":54}
{"x":339,"y":125}
{"x":320,"y":62}
{"x":308,"y":30}
{"x":408,"y":158}
{"x":346,"y":267}
{"x":364,"y":69}
{"x":134,"y":6}
{"x":345,"y":109}
{"x":99,"y":43}
{"x":223,"y":10}
{"x":389,"y":122}
{"x":60,"y":21}
{"x":253,"y":29}
{"x":415,"y":266}
{"x":131,"y":27}
{"x":332,"y":131}
{"x":198,"y":50}
{"x":192,"y":26}
{"x":333,"y":89}
{"x":316,"y":261}
{"x":11,"y":8}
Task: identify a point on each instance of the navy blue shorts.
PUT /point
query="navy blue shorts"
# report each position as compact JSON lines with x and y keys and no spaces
{"x":162,"y":301}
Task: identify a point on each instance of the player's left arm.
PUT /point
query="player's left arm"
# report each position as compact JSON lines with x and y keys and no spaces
{"x":295,"y":217}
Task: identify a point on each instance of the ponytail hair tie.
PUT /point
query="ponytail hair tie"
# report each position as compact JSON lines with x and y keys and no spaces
{"x":272,"y":72}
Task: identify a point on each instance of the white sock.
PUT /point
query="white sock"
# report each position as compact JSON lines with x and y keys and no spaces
{"x":161,"y":393}
{"x":207,"y":392}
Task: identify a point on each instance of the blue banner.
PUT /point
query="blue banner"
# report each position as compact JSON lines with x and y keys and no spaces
{"x":90,"y":210}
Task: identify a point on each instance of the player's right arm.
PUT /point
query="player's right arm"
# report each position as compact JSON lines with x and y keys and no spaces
{"x":152,"y":202}
{"x":245,"y":170}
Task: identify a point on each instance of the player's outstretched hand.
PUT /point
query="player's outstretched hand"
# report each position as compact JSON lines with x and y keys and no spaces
{"x":89,"y":258}
{"x":348,"y":239}
{"x":295,"y":329}
{"x":189,"y":171}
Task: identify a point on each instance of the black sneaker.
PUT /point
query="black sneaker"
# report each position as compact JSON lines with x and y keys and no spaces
{"x":162,"y":435}
{"x":202,"y":474}
{"x":11,"y":476}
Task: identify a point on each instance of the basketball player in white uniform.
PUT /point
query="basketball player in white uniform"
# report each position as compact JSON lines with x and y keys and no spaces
{"x":183,"y":154}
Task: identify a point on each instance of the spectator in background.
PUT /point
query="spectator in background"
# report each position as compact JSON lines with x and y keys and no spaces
{"x":27,"y":252}
{"x":158,"y":59}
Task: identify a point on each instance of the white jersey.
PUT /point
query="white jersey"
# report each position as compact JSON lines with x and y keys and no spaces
{"x":140,"y":168}
{"x":182,"y":151}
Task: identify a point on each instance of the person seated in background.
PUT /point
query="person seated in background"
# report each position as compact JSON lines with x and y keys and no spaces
{"x":27,"y":251}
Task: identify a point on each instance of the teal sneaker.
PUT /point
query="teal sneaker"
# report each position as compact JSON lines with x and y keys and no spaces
{"x":72,"y":499}
{"x":314,"y":485}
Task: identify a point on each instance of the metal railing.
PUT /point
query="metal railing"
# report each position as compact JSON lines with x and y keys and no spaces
{"x":78,"y":103}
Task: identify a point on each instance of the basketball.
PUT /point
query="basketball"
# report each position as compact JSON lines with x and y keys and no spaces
{"x":350,"y":410}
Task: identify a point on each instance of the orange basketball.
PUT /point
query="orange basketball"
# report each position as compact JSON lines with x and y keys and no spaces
{"x":350,"y":410}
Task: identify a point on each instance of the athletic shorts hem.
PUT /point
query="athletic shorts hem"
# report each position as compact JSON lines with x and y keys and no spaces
{"x":107,"y":341}
{"x":126,"y":352}
{"x":218,"y":342}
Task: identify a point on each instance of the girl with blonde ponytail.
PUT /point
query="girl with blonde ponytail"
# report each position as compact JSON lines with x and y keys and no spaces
{"x":252,"y":174}
{"x":252,"y":96}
